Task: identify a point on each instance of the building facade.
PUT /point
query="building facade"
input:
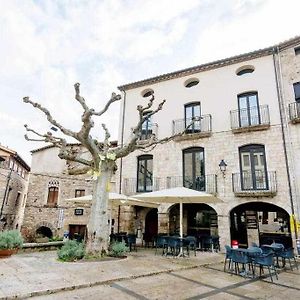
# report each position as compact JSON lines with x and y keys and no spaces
{"x":48,"y":213}
{"x":14,"y":173}
{"x":239,"y":107}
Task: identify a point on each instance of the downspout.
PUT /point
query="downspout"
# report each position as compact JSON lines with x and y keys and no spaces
{"x":281,"y":109}
{"x":121,"y":160}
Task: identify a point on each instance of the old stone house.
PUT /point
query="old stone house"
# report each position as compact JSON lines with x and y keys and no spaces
{"x":48,"y":212}
{"x":14,"y":173}
{"x":242,"y":147}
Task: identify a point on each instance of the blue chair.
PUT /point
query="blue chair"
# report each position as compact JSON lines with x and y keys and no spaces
{"x":131,"y":241}
{"x":240,"y":256}
{"x":265,"y":260}
{"x":288,"y":254}
{"x":173,"y":246}
{"x":161,"y":242}
{"x":192,"y":244}
{"x":228,"y":257}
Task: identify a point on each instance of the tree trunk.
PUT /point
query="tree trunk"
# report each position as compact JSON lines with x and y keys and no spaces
{"x":98,"y":225}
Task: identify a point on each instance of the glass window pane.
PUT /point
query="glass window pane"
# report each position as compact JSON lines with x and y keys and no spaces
{"x":252,"y":100}
{"x":297,"y":91}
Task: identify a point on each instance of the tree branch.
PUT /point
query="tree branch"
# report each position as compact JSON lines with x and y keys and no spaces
{"x":114,"y":97}
{"x":50,"y":118}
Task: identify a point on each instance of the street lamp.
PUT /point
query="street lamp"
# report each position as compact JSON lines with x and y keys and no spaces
{"x":222,"y":166}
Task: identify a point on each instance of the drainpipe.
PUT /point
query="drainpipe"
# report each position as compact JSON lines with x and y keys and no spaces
{"x":121,"y":160}
{"x":282,"y":119}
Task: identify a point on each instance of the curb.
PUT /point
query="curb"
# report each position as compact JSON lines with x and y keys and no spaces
{"x":97,"y":283}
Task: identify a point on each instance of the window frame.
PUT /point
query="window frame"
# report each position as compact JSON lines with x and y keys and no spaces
{"x":145,"y":158}
{"x":52,"y":194}
{"x":80,"y":192}
{"x":247,"y":95}
{"x":193,"y":105}
{"x":251,"y":149}
{"x":193,"y":151}
{"x":297,"y":99}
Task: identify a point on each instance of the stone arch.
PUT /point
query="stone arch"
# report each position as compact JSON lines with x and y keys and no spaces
{"x":44,"y":231}
{"x":260,"y":222}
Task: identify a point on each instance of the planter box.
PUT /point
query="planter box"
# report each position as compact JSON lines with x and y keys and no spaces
{"x":7,"y":252}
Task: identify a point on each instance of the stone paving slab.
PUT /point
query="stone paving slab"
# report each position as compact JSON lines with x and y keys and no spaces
{"x":40,"y":273}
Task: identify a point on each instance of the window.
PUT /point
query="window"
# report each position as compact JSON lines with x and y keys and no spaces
{"x":146,"y":128}
{"x":192,"y":111}
{"x":191,"y":82}
{"x":253,"y":167}
{"x":248,"y":109}
{"x":144,"y":173}
{"x":244,"y":70}
{"x":53,"y":188}
{"x":297,"y":92}
{"x":193,"y":168}
{"x":79,"y":193}
{"x":297,"y":50}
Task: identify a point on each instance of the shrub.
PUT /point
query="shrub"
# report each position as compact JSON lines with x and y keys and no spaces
{"x":11,"y":239}
{"x":118,"y":249}
{"x":71,"y":251}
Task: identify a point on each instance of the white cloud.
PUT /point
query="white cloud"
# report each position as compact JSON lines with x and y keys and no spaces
{"x":47,"y":46}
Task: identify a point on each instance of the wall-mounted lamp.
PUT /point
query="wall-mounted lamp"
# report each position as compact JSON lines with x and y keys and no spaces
{"x":222,"y":166}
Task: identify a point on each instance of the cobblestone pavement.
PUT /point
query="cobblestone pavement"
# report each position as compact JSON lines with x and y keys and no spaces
{"x":206,"y":282}
{"x":142,"y":275}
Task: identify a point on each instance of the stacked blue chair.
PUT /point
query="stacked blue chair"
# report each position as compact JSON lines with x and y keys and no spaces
{"x":192,"y":244}
{"x":240,"y":256}
{"x":228,"y":257}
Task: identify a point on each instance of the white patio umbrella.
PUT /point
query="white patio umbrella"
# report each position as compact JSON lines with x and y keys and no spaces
{"x":118,"y":199}
{"x":178,"y":195}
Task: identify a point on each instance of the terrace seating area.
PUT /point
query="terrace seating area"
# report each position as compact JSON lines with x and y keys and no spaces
{"x":247,"y":262}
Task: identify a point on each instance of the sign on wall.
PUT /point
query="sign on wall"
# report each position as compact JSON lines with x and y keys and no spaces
{"x":78,"y":211}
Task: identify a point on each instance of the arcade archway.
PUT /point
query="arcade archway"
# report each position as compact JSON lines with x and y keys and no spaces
{"x":261,"y":223}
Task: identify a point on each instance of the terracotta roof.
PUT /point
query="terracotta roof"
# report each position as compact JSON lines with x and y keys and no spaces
{"x":16,"y":156}
{"x":212,"y":65}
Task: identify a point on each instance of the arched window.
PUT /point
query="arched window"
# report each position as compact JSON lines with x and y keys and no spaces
{"x":193,"y":168}
{"x":244,"y":70}
{"x":249,"y":114}
{"x":192,"y":111}
{"x":253,"y":167}
{"x":147,"y":93}
{"x":53,"y":188}
{"x":191,"y":82}
{"x":145,"y":173}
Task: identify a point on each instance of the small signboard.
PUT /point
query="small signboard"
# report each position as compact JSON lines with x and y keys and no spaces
{"x":78,"y":212}
{"x":298,"y":246}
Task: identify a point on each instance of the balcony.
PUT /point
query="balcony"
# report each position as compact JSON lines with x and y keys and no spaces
{"x":149,"y":132}
{"x":201,"y":128}
{"x":294,"y":112}
{"x":257,"y":184}
{"x":250,"y":119}
{"x":207,"y":183}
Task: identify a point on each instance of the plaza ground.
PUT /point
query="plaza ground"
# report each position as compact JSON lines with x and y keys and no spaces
{"x":143,"y":275}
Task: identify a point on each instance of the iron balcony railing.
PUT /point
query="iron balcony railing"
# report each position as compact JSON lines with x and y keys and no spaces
{"x":149,"y":131}
{"x":257,"y":181}
{"x":294,"y":111}
{"x":203,"y":125}
{"x":207,"y":183}
{"x":247,"y":117}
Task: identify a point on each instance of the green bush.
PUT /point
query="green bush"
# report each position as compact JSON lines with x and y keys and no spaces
{"x":118,"y":249}
{"x":56,"y":239}
{"x":11,"y":239}
{"x":71,"y":251}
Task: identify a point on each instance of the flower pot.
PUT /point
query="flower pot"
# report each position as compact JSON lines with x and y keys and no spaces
{"x":7,"y":252}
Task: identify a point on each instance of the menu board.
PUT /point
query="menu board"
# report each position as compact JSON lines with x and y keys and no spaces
{"x":251,"y":219}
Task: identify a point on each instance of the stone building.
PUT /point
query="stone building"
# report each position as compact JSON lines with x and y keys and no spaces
{"x":240,"y":107}
{"x":13,"y":188}
{"x":47,"y":212}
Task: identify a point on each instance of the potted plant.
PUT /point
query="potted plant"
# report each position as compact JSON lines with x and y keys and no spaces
{"x":10,"y":242}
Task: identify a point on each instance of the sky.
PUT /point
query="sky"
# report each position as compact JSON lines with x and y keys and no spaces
{"x":48,"y":45}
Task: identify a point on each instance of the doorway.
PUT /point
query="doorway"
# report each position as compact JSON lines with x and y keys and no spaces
{"x":77,"y":232}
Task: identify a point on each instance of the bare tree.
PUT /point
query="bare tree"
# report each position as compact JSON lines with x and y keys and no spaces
{"x":103,"y":157}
